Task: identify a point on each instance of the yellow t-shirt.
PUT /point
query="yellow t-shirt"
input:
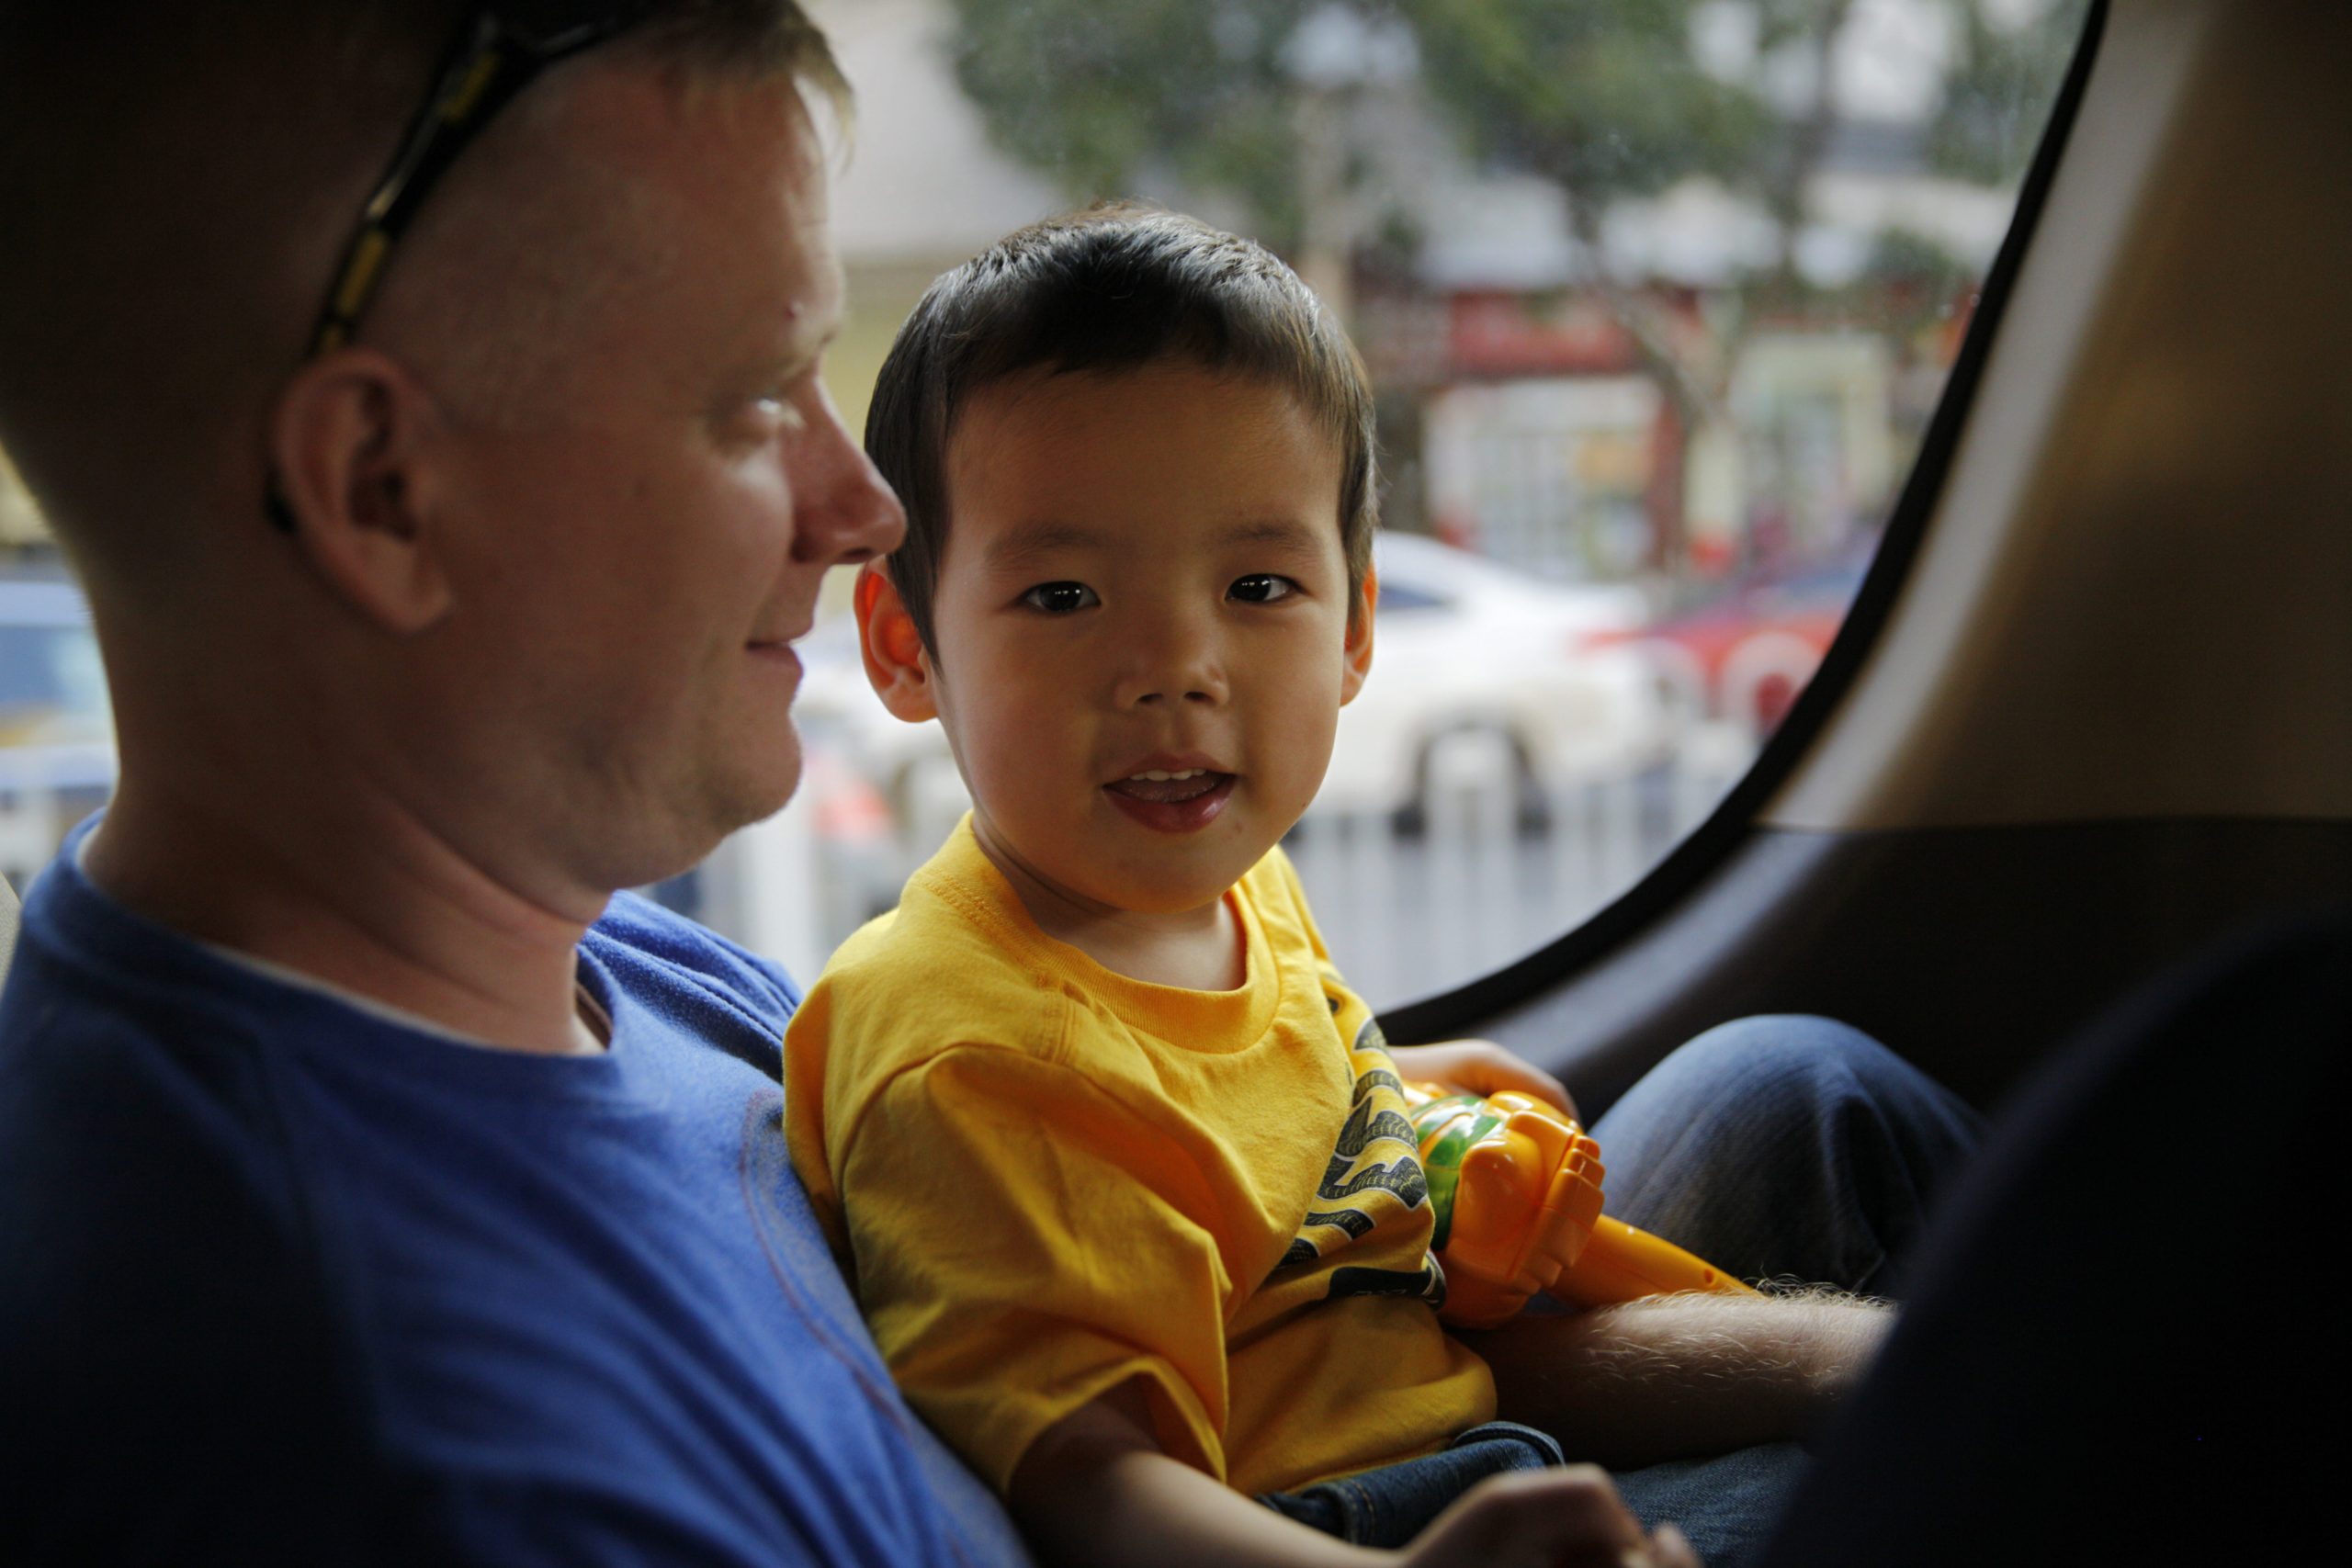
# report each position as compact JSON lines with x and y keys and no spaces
{"x":1047,"y":1178}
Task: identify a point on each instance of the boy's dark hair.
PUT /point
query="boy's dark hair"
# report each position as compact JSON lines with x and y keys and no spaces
{"x":1116,"y":288}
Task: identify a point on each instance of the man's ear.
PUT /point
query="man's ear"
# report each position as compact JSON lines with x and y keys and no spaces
{"x":344,"y":440}
{"x":896,"y":660}
{"x":1359,"y":645}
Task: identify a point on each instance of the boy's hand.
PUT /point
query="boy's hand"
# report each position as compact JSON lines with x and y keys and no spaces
{"x":1096,"y":1487}
{"x":1480,"y":1066}
{"x":1566,"y":1518}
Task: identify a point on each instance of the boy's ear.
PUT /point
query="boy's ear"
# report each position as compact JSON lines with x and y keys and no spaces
{"x":1358,"y":644}
{"x":895,"y":658}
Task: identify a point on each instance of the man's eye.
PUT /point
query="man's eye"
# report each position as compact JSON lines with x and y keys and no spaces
{"x":779,"y":409}
{"x":1061,"y":598}
{"x":1261,"y":587}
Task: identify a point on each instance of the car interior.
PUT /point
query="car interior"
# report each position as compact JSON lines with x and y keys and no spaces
{"x":2092,"y":711}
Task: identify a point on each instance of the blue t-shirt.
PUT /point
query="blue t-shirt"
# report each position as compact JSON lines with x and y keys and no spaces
{"x":281,"y":1281}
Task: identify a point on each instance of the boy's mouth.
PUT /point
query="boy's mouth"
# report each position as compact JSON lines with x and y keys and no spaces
{"x":1171,"y":800}
{"x":1162,"y":784}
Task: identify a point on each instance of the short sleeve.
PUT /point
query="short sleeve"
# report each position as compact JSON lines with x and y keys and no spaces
{"x":1023,"y":1243}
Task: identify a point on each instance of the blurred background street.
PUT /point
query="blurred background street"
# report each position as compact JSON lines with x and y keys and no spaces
{"x":1658,"y":295}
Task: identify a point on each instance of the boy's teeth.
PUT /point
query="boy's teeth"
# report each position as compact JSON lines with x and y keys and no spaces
{"x":1170,"y":786}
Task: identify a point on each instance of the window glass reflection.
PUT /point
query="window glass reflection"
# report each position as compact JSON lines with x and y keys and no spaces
{"x":1659,"y":297}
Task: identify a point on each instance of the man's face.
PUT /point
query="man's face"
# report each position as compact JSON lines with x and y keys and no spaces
{"x":632,"y":555}
{"x":1143,"y":575}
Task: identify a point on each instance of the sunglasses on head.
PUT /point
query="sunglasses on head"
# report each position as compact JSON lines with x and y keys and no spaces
{"x":499,"y":50}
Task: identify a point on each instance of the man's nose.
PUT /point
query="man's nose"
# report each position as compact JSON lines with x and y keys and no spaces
{"x":1175,"y":658}
{"x":843,"y":509}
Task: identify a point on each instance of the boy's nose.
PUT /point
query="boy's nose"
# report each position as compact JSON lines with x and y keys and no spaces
{"x":1204,"y":687}
{"x":1207,"y":691}
{"x":1172,"y":667}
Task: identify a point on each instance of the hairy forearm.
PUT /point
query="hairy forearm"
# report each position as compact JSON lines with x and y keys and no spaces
{"x":1674,"y":1377}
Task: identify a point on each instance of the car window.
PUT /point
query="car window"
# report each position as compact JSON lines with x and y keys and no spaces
{"x":50,"y":678}
{"x":28,"y":678}
{"x":1657,"y":297}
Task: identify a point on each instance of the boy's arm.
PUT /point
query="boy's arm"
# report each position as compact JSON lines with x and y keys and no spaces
{"x":1093,"y":1488}
{"x":1676,"y":1377}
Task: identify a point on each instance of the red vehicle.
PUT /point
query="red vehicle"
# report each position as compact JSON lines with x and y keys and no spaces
{"x":1747,"y":654}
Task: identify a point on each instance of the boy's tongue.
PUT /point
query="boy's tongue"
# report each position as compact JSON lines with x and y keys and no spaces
{"x":1167,"y":790}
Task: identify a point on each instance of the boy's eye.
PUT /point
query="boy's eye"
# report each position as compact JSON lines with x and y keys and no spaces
{"x":1061,"y":598}
{"x":1261,"y":587}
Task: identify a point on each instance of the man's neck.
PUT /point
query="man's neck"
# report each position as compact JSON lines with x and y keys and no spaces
{"x":358,"y":897}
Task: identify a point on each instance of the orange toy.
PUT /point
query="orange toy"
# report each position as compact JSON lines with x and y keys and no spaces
{"x":1515,"y":1185}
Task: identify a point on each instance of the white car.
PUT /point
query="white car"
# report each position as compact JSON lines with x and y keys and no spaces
{"x":1464,"y":647}
{"x":1467,"y":648}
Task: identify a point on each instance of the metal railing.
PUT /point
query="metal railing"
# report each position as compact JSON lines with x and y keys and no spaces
{"x":1487,"y":868}
{"x":1409,"y":903}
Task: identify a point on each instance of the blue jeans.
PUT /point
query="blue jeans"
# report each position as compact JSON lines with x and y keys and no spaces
{"x":1784,"y":1149}
{"x":1387,"y":1506}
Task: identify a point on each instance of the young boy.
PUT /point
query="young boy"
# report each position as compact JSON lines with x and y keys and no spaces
{"x":1118,"y":1163}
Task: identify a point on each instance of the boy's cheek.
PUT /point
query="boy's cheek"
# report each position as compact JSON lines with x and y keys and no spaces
{"x":1006,"y":769}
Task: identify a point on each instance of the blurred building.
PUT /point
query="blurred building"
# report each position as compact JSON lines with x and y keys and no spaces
{"x":1615,"y":411}
{"x":922,"y":187}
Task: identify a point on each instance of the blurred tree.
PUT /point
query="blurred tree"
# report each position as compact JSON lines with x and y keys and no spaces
{"x":1607,"y":99}
{"x":2001,"y":78}
{"x":1111,"y":98}
{"x":1611,"y":99}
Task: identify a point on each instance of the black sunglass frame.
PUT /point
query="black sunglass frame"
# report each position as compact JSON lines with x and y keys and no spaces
{"x":502,"y":46}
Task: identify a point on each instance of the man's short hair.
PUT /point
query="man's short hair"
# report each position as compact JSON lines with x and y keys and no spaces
{"x":175,"y":180}
{"x":1113,"y":288}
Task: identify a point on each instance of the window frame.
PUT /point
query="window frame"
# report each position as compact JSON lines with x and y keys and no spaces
{"x":1710,"y":845}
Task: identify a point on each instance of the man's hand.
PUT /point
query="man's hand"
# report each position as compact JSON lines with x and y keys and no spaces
{"x":1566,"y":1518}
{"x":1480,"y":1066}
